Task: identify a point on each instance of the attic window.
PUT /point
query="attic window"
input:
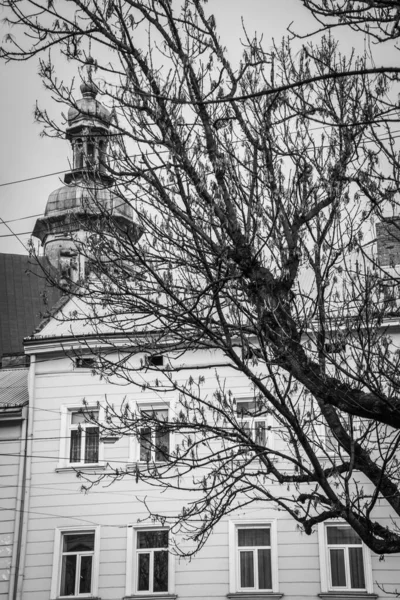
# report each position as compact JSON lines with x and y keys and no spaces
{"x":85,"y":362}
{"x":157,"y":360}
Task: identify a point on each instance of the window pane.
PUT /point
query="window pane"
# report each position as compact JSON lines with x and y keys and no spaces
{"x":260,"y":430}
{"x":162,"y":445}
{"x":246,"y":569}
{"x":245,"y":407}
{"x":144,"y":571}
{"x":77,"y":417}
{"x":338,"y":568}
{"x":264,"y":569}
{"x":254,"y":537}
{"x":85,"y":581}
{"x":356,"y":568}
{"x":342,"y":535}
{"x":152,"y":539}
{"x":157,"y":414}
{"x":68,"y":574}
{"x":78,"y":542}
{"x":75,"y":449}
{"x":145,"y":445}
{"x":160,"y":571}
{"x":92,"y":445}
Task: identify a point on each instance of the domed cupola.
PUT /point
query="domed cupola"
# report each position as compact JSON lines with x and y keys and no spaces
{"x":88,"y":130}
{"x":86,"y":202}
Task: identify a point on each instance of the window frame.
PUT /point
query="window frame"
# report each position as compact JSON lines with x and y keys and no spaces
{"x":131,"y":587}
{"x":326,"y":574}
{"x":234,"y":567}
{"x":329,"y":447}
{"x":57,"y":560}
{"x":269,"y":438}
{"x":134,"y":443}
{"x":65,"y":437}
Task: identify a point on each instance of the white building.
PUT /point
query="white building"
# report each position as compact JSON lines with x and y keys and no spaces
{"x":99,"y":544}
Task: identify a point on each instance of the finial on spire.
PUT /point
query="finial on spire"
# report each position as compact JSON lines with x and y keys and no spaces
{"x":88,"y":88}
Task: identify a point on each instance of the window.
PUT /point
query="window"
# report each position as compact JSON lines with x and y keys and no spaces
{"x":345,"y":559}
{"x":75,"y":564}
{"x":85,"y":362}
{"x":78,"y":154}
{"x":323,"y":436}
{"x":80,"y":443}
{"x":150,"y":565}
{"x":90,"y":154}
{"x":154,"y":438}
{"x":346,"y":565}
{"x":152,"y":561}
{"x":155,"y":360}
{"x":84,"y":439}
{"x":355,"y":427}
{"x":253,"y":557}
{"x":255,"y":422}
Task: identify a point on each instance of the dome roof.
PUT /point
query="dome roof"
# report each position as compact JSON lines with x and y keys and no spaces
{"x":86,"y":197}
{"x":88,"y":108}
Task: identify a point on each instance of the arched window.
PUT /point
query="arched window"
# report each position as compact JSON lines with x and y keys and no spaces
{"x":78,"y":154}
{"x":90,"y":154}
{"x":102,"y":155}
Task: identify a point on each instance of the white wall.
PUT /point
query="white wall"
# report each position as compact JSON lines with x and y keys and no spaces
{"x":56,"y":501}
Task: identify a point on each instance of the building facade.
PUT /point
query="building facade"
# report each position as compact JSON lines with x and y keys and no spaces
{"x":100,"y":543}
{"x":85,"y":533}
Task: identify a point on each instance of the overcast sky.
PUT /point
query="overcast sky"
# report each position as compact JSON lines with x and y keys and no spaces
{"x":24,"y":154}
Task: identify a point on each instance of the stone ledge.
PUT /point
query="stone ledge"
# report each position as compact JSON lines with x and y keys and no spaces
{"x":255,"y":596}
{"x":161,"y":596}
{"x":83,"y":469}
{"x":347,"y":596}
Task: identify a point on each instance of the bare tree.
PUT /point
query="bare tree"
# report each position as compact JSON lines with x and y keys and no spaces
{"x":255,"y":221}
{"x":378,"y":18}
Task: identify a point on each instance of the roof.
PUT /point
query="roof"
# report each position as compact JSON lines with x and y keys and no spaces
{"x":78,"y":317}
{"x":87,"y":197}
{"x":22,"y":305}
{"x":13,"y":388}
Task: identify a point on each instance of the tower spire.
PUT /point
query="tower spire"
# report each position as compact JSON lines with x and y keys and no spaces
{"x":86,"y":202}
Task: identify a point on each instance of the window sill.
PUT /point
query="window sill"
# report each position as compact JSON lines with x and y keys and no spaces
{"x":75,"y":468}
{"x":140,"y":464}
{"x":347,"y":595}
{"x":160,"y":596}
{"x":255,"y":595}
{"x":84,"y":597}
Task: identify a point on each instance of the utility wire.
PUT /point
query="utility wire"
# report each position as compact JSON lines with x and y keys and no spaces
{"x":148,"y":154}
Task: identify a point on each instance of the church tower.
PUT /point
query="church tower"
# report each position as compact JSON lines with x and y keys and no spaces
{"x":86,"y":202}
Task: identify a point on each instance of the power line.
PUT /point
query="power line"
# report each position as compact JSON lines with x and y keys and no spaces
{"x":151,"y":154}
{"x":32,"y":178}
